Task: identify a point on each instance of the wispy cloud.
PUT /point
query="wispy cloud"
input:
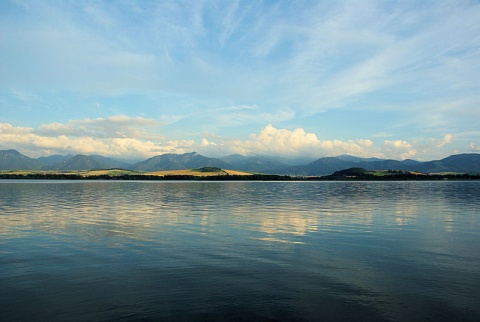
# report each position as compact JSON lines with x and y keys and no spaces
{"x":331,"y":56}
{"x":118,"y":126}
{"x":53,"y":49}
{"x":242,"y":116}
{"x":224,"y":66}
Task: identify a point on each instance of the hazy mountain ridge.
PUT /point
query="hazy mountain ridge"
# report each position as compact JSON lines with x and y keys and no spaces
{"x":14,"y":160}
{"x":54,"y":159}
{"x":253,"y":163}
{"x":463,"y":163}
{"x":87,"y":162}
{"x":351,"y":158}
{"x":178,"y":162}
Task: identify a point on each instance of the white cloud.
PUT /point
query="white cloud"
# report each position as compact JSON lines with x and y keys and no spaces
{"x":166,"y":119}
{"x":429,"y":147}
{"x":474,"y":147}
{"x":8,"y":129}
{"x":285,"y":142}
{"x":119,"y":136}
{"x":307,"y":56}
{"x":88,"y":137}
{"x":445,"y":140}
{"x":49,"y":47}
{"x":118,"y":126}
{"x":411,"y":63}
{"x":205,"y":143}
{"x":237,"y":108}
{"x":250,"y":115}
{"x":393,"y":149}
{"x":297,"y":142}
{"x":56,"y":129}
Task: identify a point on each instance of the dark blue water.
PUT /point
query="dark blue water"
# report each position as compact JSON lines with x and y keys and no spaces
{"x":245,"y":251}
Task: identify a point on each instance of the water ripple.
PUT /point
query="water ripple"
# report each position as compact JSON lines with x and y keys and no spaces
{"x":247,"y":250}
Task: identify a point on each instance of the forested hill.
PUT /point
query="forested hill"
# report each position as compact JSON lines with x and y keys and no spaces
{"x":460,"y":163}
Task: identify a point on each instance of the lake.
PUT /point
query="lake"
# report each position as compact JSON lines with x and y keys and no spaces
{"x":244,"y":251}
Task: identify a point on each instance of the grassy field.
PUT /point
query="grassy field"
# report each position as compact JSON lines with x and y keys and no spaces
{"x":197,"y":172}
{"x":112,"y":172}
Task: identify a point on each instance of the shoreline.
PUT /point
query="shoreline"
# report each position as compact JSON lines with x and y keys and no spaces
{"x":250,"y":177}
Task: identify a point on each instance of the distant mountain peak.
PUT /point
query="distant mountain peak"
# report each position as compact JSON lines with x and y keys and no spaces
{"x":348,"y":157}
{"x":173,"y":161}
{"x":11,"y":159}
{"x":11,"y":151}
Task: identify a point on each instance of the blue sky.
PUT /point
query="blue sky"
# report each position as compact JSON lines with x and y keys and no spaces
{"x":134,"y":79}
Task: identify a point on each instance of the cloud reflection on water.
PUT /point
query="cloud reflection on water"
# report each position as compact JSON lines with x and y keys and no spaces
{"x":372,"y":245}
{"x":284,"y":212}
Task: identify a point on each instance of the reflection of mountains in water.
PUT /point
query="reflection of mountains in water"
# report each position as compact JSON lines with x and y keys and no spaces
{"x":460,"y":163}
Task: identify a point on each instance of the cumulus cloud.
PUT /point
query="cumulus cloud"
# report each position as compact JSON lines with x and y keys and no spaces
{"x":252,"y":57}
{"x":297,"y":142}
{"x":140,"y":140}
{"x":56,"y":129}
{"x":205,"y":143}
{"x":427,"y":146}
{"x":120,"y":136}
{"x":391,"y":149}
{"x":8,"y":129}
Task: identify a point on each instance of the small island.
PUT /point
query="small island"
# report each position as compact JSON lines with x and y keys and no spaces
{"x":382,"y":175}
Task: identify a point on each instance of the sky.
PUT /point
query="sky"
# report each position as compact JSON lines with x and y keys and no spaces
{"x":135,"y":79}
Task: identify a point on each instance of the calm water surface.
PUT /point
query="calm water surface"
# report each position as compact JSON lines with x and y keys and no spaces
{"x":299,"y":251}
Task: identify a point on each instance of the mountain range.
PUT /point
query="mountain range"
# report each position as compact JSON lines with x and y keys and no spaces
{"x":462,"y":163}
